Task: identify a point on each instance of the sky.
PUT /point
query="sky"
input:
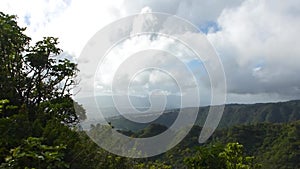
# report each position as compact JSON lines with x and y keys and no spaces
{"x":256,"y":40}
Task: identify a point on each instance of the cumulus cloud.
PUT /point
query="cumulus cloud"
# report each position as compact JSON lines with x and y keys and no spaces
{"x":258,"y":43}
{"x":196,"y":11}
{"x":73,"y":21}
{"x":145,"y":81}
{"x":257,"y":40}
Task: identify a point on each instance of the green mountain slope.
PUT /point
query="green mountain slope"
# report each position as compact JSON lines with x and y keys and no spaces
{"x":234,"y":114}
{"x":273,"y":145}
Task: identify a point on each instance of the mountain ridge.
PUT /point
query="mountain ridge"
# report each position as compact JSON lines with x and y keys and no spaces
{"x":234,"y":114}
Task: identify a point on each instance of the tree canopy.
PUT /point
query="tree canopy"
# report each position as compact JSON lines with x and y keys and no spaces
{"x":35,"y":77}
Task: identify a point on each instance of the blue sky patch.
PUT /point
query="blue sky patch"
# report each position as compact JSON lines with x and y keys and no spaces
{"x":209,"y":26}
{"x":27,"y":19}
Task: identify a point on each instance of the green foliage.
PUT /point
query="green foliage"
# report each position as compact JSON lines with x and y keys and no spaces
{"x":216,"y":156}
{"x":35,"y":84}
{"x":234,"y":158}
{"x":33,"y":154}
{"x":2,"y":104}
{"x":35,"y":76}
{"x":206,"y":157}
{"x":151,"y":130}
{"x":274,"y":145}
{"x":152,"y":165}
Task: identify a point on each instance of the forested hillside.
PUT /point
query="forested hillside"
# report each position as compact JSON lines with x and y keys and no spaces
{"x":272,"y":145}
{"x":234,"y":114}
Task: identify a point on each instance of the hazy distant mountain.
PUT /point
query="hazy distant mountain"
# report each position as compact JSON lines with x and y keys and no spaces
{"x":234,"y":114}
{"x":106,"y":105}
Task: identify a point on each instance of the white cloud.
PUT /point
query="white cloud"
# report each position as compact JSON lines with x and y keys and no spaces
{"x":196,"y":11}
{"x":258,"y":43}
{"x":36,"y":15}
{"x":73,"y":21}
{"x":258,"y":40}
{"x":145,"y":81}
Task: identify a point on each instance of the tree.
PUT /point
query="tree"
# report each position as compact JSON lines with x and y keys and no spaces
{"x":234,"y":158}
{"x":206,"y":157}
{"x":35,"y":77}
{"x":37,"y":112}
{"x":35,"y":89}
{"x":217,"y":156}
{"x":32,"y":153}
